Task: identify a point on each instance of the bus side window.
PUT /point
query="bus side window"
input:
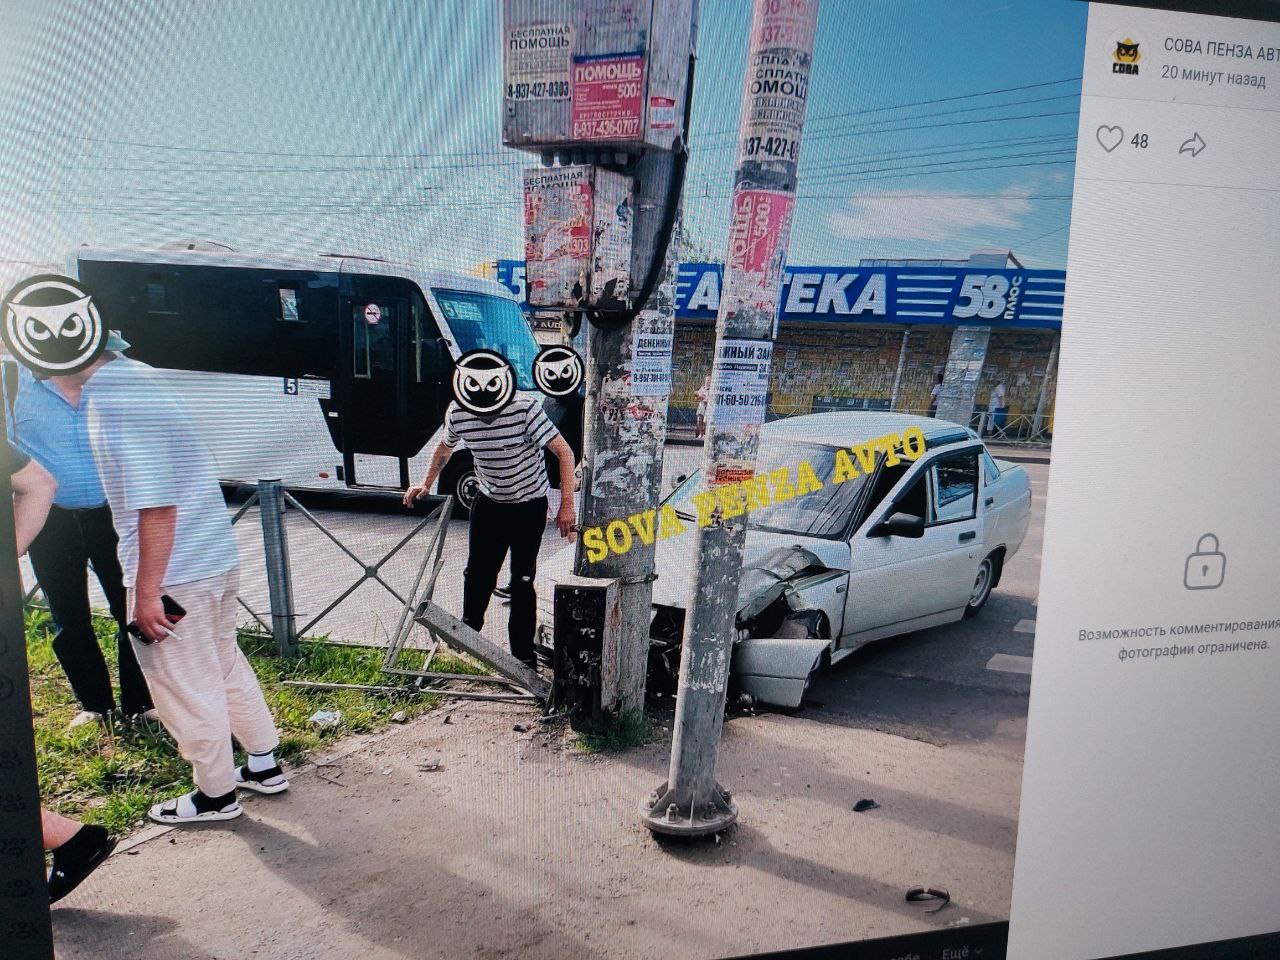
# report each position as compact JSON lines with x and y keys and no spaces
{"x":373,"y":327}
{"x":360,"y":344}
{"x":426,"y":346}
{"x":288,"y":304}
{"x":158,"y":300}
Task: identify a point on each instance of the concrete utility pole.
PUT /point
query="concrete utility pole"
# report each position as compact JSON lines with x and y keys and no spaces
{"x":773,"y":106}
{"x":625,"y":418}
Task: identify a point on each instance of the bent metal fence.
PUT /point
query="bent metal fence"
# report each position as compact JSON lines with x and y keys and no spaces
{"x":417,"y":610}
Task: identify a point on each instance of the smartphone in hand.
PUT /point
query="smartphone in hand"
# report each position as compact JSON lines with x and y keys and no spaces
{"x":173,"y":612}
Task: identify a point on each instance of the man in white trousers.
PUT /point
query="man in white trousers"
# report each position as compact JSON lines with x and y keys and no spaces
{"x":177,"y":549}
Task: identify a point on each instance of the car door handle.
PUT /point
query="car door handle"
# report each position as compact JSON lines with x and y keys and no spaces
{"x":968,"y":535}
{"x":989,"y":501}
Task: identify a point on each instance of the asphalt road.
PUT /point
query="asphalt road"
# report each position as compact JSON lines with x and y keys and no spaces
{"x":512,"y":842}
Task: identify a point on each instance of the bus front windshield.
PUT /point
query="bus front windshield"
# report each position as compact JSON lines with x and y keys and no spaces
{"x":481,"y":321}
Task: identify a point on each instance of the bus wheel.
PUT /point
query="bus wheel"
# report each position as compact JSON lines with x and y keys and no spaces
{"x":464,"y":485}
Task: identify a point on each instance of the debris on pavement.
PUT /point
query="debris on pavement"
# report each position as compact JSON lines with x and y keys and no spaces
{"x":928,"y":894}
{"x":325,"y":719}
{"x":521,"y":728}
{"x":864,"y":805}
{"x":430,"y":766}
{"x":399,"y":717}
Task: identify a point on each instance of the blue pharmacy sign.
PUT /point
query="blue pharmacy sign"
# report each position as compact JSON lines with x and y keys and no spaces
{"x":963,"y":295}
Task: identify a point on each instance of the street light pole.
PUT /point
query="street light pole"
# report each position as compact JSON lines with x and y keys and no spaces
{"x":774,"y":97}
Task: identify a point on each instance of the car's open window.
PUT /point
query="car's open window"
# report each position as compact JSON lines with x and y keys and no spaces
{"x":955,"y":487}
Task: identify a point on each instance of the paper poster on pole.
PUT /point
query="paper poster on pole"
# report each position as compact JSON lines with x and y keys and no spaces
{"x":536,"y":61}
{"x":758,"y":233}
{"x":742,"y":381}
{"x":608,"y":97}
{"x":557,"y":249}
{"x":651,"y":363}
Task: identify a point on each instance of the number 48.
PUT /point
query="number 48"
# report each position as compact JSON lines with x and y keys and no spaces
{"x":1139,"y":140}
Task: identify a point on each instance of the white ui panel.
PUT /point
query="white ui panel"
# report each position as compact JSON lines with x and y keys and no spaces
{"x":1151,"y":794}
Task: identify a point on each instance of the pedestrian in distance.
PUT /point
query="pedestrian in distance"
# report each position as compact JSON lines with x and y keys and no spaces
{"x":182,"y":572}
{"x":996,"y":406}
{"x":934,"y":394}
{"x":78,"y":849}
{"x":700,"y":415}
{"x":510,"y":514}
{"x":50,"y":425}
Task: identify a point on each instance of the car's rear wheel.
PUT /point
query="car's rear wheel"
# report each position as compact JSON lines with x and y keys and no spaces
{"x":982,"y":584}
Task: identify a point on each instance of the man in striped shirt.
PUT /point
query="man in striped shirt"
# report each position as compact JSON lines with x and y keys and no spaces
{"x":510,"y":513}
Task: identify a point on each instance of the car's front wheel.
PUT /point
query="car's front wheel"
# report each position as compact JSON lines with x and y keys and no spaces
{"x":982,"y":584}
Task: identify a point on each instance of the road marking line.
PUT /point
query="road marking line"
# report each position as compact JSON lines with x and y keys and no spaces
{"x":1008,"y":663}
{"x":1024,"y":626}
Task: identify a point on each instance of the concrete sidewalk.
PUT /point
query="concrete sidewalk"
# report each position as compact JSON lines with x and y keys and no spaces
{"x":519,"y":845}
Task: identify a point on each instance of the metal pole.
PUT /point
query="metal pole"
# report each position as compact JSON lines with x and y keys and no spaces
{"x":275,"y":547}
{"x":902,"y":365}
{"x":24,"y":903}
{"x":1043,"y":400}
{"x":773,"y":106}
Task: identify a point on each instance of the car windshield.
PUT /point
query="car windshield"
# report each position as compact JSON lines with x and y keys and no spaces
{"x":824,"y":513}
{"x":481,"y":321}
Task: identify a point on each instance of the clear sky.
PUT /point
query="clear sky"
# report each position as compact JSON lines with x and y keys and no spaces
{"x":935,"y":127}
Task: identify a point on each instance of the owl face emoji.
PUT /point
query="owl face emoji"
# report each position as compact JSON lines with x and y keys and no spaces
{"x":484,"y":382}
{"x":558,"y":370}
{"x":51,"y":326}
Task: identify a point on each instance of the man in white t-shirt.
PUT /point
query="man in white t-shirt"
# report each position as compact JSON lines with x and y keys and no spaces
{"x":511,"y":512}
{"x":996,"y":407}
{"x":177,"y":548}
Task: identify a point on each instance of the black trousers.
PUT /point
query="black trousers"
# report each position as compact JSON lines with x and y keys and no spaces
{"x":71,"y":542}
{"x":495,"y":529}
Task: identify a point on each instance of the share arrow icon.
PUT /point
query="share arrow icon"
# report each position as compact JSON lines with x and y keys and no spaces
{"x":1192,"y":146}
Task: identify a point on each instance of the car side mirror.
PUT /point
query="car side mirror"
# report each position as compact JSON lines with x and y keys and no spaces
{"x":899,"y":525}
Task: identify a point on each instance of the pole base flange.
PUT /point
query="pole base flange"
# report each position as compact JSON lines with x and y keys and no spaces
{"x":710,"y":814}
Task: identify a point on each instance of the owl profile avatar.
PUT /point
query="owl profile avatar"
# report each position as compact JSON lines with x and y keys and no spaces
{"x":1127,"y":51}
{"x":558,"y":370}
{"x":484,"y":382}
{"x":52,"y":326}
{"x":1126,"y":56}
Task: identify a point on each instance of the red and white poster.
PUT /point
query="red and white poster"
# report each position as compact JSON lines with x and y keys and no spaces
{"x":608,"y":97}
{"x":758,"y":233}
{"x":662,"y":113}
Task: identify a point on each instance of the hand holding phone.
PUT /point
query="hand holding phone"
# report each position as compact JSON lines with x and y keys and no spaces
{"x":172,"y":612}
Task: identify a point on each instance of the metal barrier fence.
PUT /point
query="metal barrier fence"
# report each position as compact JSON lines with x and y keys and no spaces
{"x":1013,"y":428}
{"x":274,"y":502}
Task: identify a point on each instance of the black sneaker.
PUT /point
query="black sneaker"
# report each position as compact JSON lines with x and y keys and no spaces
{"x":268,"y":781}
{"x":77,"y":858}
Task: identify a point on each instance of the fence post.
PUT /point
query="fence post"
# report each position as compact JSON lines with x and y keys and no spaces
{"x":275,"y":547}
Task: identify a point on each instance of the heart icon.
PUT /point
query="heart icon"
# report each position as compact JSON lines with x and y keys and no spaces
{"x":1110,"y":137}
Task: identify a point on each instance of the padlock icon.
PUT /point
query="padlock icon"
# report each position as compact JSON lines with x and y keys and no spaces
{"x":1207,"y":567}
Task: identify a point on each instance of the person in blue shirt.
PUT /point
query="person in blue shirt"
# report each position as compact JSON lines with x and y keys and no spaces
{"x":51,"y":426}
